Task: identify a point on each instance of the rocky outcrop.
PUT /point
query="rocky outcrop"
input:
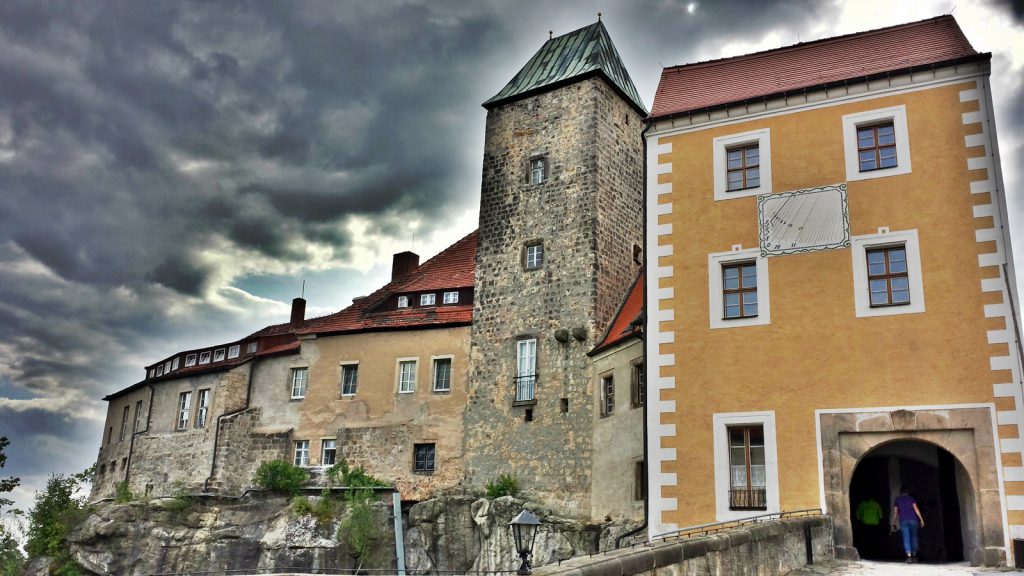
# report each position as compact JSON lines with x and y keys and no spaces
{"x":457,"y":533}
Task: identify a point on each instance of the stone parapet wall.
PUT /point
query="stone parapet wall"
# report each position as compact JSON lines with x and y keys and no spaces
{"x":386,"y":451}
{"x":767,"y":548}
{"x":241,"y":449}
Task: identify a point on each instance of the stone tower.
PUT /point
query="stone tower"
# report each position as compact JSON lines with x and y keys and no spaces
{"x":561,"y":220}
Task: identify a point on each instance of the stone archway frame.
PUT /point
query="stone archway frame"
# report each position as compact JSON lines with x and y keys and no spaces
{"x":967,"y":433}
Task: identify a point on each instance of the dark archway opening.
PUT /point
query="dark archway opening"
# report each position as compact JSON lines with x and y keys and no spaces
{"x":934,"y":478}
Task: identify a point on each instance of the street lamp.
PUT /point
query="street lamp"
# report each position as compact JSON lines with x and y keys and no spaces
{"x":524,"y":531}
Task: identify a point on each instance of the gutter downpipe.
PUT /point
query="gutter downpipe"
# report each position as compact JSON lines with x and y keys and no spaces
{"x":643,"y":340}
{"x":216,"y":433}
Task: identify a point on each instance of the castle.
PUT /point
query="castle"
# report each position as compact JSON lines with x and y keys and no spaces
{"x":881,"y":350}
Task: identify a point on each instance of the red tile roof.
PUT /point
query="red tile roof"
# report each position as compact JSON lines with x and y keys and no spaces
{"x":624,"y":326}
{"x":454,"y":267}
{"x":707,"y":84}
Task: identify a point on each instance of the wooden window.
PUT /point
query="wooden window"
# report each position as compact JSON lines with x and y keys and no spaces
{"x":739,"y":290}
{"x":407,"y":376}
{"x":204,"y":357}
{"x":538,"y":170}
{"x":423,"y":459}
{"x":607,"y":395}
{"x":328,"y":452}
{"x":747,"y":468}
{"x":888,"y":282}
{"x":349,"y":379}
{"x":876,"y":146}
{"x":302,"y":452}
{"x":251,"y":347}
{"x":184,"y":408}
{"x":743,"y":167}
{"x":442,"y":375}
{"x":638,"y":384}
{"x":234,"y":351}
{"x":218,"y":355}
{"x":202,"y":407}
{"x":300,"y":381}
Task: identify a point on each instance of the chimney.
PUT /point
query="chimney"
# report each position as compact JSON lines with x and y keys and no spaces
{"x":403,"y":263}
{"x":298,"y":311}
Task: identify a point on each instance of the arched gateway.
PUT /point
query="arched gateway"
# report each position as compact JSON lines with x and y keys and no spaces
{"x":945,"y":456}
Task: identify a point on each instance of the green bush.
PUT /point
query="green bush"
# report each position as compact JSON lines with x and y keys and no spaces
{"x":504,"y":485}
{"x":281,"y":476}
{"x":122,"y":493}
{"x":301,"y":506}
{"x":181,"y":498}
{"x":358,"y":529}
{"x":353,"y":478}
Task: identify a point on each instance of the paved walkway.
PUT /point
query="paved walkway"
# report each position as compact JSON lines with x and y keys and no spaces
{"x":868,"y":567}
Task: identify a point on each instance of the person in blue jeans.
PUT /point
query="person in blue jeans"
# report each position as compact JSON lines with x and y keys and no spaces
{"x":908,"y":515}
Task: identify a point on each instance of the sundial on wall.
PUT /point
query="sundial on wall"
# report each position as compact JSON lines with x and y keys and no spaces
{"x":804,"y":220}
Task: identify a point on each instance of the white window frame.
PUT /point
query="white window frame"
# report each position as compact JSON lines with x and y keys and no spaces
{"x":219,"y":355}
{"x":167,"y":367}
{"x":403,"y":301}
{"x":204,"y":357}
{"x":538,"y":259}
{"x":152,"y":372}
{"x":234,"y":351}
{"x":174,"y":363}
{"x":190,"y":360}
{"x":451,"y":372}
{"x":323,"y":451}
{"x":715,"y":305}
{"x":202,"y":407}
{"x":722,"y":144}
{"x":721,"y":423}
{"x":428,"y":299}
{"x":184,"y":410}
{"x":603,"y":383}
{"x":450,"y":297}
{"x":898,"y":116}
{"x":859,"y":245}
{"x":341,"y":387}
{"x":160,"y":370}
{"x":526,"y":365}
{"x":538,"y":170}
{"x":301,"y":455}
{"x":399,"y":384}
{"x":296,"y":370}
{"x":251,"y":347}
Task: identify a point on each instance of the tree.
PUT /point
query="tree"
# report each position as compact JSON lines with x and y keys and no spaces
{"x":55,"y":512}
{"x":11,"y":558}
{"x":6,"y":484}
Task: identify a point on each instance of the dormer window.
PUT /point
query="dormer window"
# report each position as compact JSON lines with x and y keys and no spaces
{"x":160,"y":370}
{"x":251,"y":348}
{"x":152,"y":372}
{"x":234,"y":351}
{"x":218,"y":355}
{"x":403,"y":301}
{"x":174,"y":364}
{"x":167,"y":367}
{"x":451,"y":298}
{"x":190,"y":360}
{"x":428,"y":299}
{"x":204,"y":357}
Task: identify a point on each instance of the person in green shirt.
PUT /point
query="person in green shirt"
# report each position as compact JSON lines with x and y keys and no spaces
{"x":871,"y":516}
{"x":869,"y":512}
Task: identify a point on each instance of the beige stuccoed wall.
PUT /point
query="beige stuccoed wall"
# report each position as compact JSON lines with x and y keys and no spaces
{"x":618,"y":437}
{"x":377,"y":427}
{"x":113,"y":453}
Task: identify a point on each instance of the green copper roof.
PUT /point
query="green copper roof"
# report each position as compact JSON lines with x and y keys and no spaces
{"x":569,"y":57}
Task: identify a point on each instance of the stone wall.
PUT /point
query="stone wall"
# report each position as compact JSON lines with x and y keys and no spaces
{"x":767,"y":548}
{"x":241,"y":449}
{"x":588,"y":215}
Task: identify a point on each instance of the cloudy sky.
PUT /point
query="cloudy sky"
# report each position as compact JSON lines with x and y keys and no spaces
{"x":170,"y":172}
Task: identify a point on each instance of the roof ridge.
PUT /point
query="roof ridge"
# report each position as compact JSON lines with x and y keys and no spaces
{"x":802,"y":45}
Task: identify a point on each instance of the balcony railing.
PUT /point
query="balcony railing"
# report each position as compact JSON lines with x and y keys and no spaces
{"x":748,"y":499}
{"x":526,"y":387}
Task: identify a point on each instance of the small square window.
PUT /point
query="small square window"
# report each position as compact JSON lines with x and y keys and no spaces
{"x":152,"y":372}
{"x":406,"y":376}
{"x":876,"y":143}
{"x":251,"y":347}
{"x":234,"y":351}
{"x":423,"y":458}
{"x":328,"y":452}
{"x":218,"y":355}
{"x":442,"y":375}
{"x":349,"y":379}
{"x":538,"y":170}
{"x":174,"y":364}
{"x":607,"y":395}
{"x":160,"y":370}
{"x":451,"y":298}
{"x":403,"y":301}
{"x":300,"y":380}
{"x":302,"y":452}
{"x":876,"y":146}
{"x":742,"y":164}
{"x":427,"y":299}
{"x":533,"y":256}
{"x":167,"y":367}
{"x":204,"y":357}
{"x":190,"y":360}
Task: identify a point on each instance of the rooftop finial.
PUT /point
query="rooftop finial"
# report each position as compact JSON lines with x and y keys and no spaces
{"x":598,"y":16}
{"x":551,"y":34}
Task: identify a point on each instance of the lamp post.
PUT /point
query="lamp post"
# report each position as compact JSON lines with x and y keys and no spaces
{"x":524,"y":531}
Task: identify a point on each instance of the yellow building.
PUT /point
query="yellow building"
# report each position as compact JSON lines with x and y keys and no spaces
{"x":830,"y":292}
